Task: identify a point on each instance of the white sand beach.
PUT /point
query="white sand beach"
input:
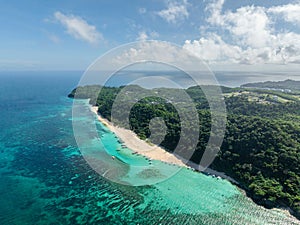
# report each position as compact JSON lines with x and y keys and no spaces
{"x":133,"y":142}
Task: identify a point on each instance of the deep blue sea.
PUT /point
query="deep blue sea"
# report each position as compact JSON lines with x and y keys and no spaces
{"x":45,"y":180}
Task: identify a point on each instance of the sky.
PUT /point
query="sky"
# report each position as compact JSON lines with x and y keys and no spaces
{"x":226,"y":34}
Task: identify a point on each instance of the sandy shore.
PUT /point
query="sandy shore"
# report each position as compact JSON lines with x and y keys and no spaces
{"x":133,"y":142}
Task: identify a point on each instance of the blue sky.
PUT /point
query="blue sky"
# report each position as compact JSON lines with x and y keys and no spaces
{"x":69,"y":35}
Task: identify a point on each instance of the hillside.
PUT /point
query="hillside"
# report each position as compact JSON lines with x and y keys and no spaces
{"x":286,"y":85}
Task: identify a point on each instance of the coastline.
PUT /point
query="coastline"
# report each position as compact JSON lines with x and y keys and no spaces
{"x":133,"y":142}
{"x":153,"y":152}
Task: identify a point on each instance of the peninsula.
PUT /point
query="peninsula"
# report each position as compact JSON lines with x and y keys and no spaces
{"x":261,"y":148}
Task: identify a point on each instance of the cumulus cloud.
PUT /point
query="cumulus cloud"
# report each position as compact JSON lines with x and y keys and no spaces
{"x":252,"y":37}
{"x":150,"y":51}
{"x":213,"y":48}
{"x":215,"y":10}
{"x":290,"y":12}
{"x":143,"y":35}
{"x":79,"y":28}
{"x":176,"y":11}
{"x":250,"y":25}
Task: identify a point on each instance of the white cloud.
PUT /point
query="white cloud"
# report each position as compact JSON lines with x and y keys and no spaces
{"x":176,"y":11}
{"x":215,"y":9}
{"x":150,"y":50}
{"x":290,"y":12}
{"x":213,"y":48}
{"x":154,"y":55}
{"x":154,"y":34}
{"x":288,"y":47}
{"x":251,"y":35}
{"x":143,"y":36}
{"x":250,"y":25}
{"x":79,"y":28}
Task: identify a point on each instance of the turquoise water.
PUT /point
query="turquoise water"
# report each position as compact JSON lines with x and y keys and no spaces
{"x":45,"y":180}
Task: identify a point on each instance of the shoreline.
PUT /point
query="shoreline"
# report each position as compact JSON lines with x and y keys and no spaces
{"x":153,"y":152}
{"x":132,"y":141}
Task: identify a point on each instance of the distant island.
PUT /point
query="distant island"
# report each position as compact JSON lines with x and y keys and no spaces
{"x":284,"y":86}
{"x":261,"y":148}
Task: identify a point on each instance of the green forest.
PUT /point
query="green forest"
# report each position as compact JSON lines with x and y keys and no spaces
{"x":261,"y":148}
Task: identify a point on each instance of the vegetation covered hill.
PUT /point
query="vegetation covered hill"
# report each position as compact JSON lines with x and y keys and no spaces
{"x":261,"y":148}
{"x":284,"y":85}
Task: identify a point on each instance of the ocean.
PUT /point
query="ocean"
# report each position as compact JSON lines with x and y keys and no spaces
{"x":45,"y":180}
